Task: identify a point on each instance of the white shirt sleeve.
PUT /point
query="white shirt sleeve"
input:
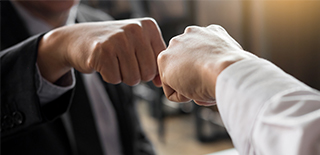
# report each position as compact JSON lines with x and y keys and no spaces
{"x":268,"y":112}
{"x":48,"y":92}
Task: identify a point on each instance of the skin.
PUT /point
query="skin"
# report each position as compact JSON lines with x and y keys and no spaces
{"x":191,"y":64}
{"x":122,"y":51}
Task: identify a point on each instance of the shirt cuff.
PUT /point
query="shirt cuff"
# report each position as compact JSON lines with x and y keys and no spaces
{"x":242,"y":89}
{"x":48,"y":91}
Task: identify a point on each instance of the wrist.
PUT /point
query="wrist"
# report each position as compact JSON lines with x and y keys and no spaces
{"x":51,"y":57}
{"x":214,"y":68}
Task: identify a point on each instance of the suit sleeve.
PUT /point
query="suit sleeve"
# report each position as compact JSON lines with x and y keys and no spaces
{"x":20,"y":105}
{"x":267,"y":111}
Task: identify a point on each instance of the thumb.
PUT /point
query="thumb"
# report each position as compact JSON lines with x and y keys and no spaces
{"x":172,"y":95}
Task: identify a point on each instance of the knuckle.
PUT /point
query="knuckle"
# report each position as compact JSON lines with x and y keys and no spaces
{"x":133,"y":28}
{"x":216,"y":27}
{"x":191,"y":29}
{"x":106,"y":50}
{"x":162,"y":57}
{"x":119,"y":35}
{"x":221,"y":28}
{"x":174,"y":40}
{"x":149,"y":22}
{"x":118,"y":43}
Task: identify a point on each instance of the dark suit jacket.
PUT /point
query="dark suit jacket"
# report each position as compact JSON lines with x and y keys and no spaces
{"x":66,"y":125}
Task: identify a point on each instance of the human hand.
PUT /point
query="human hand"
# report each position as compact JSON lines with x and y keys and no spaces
{"x":122,"y":51}
{"x":189,"y":67}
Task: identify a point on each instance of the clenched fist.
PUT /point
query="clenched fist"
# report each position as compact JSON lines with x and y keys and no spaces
{"x":189,"y":67}
{"x":122,"y":51}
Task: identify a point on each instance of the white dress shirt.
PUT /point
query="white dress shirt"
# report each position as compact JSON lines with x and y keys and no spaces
{"x":103,"y":111}
{"x":268,"y":112}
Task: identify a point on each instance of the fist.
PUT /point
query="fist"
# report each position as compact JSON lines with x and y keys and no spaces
{"x":192,"y":62}
{"x":122,"y":51}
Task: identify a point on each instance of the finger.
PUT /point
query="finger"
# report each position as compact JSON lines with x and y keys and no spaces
{"x":157,"y":81}
{"x":147,"y":64}
{"x":105,"y":61}
{"x":161,"y":61}
{"x":129,"y":67}
{"x":145,"y":57}
{"x":172,"y":95}
{"x":216,"y":28}
{"x":153,"y":34}
{"x":110,"y":71}
{"x":157,"y":44}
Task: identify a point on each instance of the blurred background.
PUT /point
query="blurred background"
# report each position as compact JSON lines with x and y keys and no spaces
{"x":286,"y":32}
